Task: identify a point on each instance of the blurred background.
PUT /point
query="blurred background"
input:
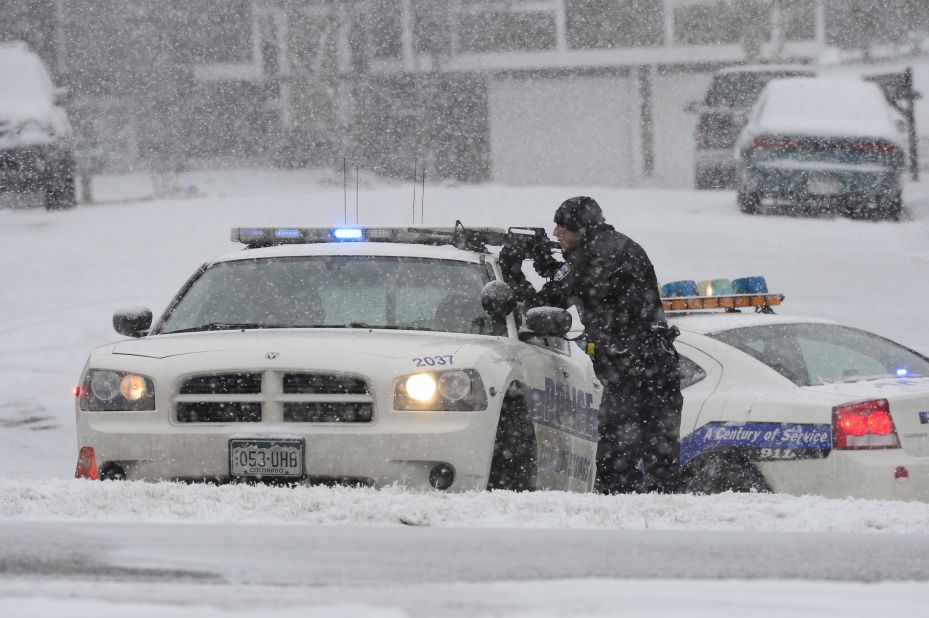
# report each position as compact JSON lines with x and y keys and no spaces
{"x":518,"y":92}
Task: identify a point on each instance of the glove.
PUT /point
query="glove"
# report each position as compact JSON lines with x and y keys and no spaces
{"x":546,"y":265}
{"x":511,"y":263}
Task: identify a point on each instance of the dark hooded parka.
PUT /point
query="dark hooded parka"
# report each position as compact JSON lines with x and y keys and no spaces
{"x":610,"y":280}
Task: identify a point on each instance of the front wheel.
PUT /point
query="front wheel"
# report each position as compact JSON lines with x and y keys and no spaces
{"x":514,"y":464}
{"x":719,"y":472}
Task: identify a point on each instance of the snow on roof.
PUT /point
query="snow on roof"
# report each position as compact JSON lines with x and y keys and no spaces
{"x":714,"y":322}
{"x":825,"y":107}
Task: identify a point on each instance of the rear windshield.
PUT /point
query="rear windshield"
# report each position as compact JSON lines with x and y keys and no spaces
{"x":812,"y":354}
{"x":741,"y":90}
{"x":22,"y":75}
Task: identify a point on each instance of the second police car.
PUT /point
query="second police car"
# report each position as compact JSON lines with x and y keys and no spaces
{"x":354,"y":355}
{"x":795,"y":405}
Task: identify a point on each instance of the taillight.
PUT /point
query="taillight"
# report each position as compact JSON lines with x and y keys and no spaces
{"x":700,"y":133}
{"x":863,"y":425}
{"x":769,"y":142}
{"x":878,"y":147}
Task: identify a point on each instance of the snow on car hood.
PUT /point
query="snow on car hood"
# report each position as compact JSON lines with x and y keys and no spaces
{"x":19,"y":109}
{"x":386,"y":344}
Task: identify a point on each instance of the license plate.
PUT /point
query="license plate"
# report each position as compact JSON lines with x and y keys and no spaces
{"x":253,"y":458}
{"x":823,"y":186}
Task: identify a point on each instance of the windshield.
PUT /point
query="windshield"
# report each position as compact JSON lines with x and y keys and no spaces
{"x":812,"y":354}
{"x":23,"y":76}
{"x":741,"y":90}
{"x":335,"y":291}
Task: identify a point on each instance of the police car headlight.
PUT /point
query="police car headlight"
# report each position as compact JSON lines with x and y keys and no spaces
{"x":456,"y":390}
{"x":107,"y":390}
{"x":421,"y":387}
{"x":454,"y":385}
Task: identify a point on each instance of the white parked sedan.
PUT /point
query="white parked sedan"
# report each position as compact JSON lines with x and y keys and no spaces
{"x":360,"y":356}
{"x":801,"y":406}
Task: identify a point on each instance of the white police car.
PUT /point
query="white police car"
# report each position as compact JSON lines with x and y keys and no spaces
{"x":354,"y":355}
{"x":795,"y":405}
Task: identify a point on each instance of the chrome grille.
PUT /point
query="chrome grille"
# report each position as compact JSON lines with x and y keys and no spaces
{"x":274,"y":397}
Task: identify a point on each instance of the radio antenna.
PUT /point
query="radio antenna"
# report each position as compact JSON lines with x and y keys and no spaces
{"x":344,"y":193}
{"x":414,"y":190}
{"x":422,"y":200}
{"x":357,"y":220}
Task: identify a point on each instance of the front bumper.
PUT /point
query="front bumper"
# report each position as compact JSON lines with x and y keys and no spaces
{"x":28,"y":167}
{"x":398,"y":447}
{"x":876,"y":474}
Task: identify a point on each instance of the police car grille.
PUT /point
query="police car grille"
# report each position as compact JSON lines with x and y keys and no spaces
{"x":223,"y":384}
{"x":273,"y":397}
{"x":219,"y":411}
{"x":323,"y":384}
{"x":326,"y":398}
{"x":328,"y":412}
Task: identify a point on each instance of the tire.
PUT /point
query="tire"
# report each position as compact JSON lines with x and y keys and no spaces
{"x":513,"y":465}
{"x":890,"y":208}
{"x":704,"y":181}
{"x":719,"y":472}
{"x":748,"y":202}
{"x":60,"y":187}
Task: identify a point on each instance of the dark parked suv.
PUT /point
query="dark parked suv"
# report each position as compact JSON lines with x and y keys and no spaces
{"x":723,"y":113}
{"x":35,"y":135}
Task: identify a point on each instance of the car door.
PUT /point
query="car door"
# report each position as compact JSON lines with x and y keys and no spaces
{"x":564,"y":402}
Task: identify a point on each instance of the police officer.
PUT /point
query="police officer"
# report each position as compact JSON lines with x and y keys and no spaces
{"x":610,"y":280}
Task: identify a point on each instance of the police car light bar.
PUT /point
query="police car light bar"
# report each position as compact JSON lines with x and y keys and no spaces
{"x":719,"y":294}
{"x":463,"y":238}
{"x":730,"y":302}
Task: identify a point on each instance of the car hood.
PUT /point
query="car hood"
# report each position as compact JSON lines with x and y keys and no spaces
{"x":381,"y":343}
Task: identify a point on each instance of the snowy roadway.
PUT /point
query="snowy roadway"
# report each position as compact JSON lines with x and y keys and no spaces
{"x":101,"y":549}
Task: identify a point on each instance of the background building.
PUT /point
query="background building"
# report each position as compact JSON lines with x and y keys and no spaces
{"x":517,"y":91}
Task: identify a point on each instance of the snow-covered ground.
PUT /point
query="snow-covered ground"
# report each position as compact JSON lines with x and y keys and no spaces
{"x":64,"y":273}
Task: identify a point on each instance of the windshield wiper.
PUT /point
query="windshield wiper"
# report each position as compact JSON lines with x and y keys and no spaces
{"x":386,"y":326}
{"x":224,"y":326}
{"x":258,"y":326}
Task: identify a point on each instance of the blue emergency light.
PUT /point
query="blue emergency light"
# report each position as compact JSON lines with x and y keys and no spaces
{"x":903,"y":372}
{"x":678,"y":289}
{"x":348,"y":233}
{"x":287,"y":232}
{"x":253,"y":233}
{"x":750,"y":285}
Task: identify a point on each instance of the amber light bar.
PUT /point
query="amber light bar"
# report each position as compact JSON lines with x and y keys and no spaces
{"x":731,"y":302}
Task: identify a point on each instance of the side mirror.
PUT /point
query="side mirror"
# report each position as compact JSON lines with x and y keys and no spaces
{"x":61,"y":95}
{"x":548,"y":321}
{"x":693,"y":107}
{"x":498,"y":299}
{"x":132,"y":321}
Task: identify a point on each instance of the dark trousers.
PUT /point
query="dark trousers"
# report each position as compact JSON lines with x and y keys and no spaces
{"x":640,"y":420}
